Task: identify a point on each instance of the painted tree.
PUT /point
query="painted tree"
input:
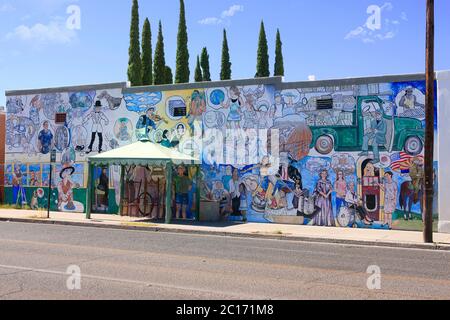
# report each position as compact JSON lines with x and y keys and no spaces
{"x":147,"y":63}
{"x":262,"y":65}
{"x":225,"y":70}
{"x":134,"y":51}
{"x":182,"y":72}
{"x":204,"y":62}
{"x":159,"y":67}
{"x":198,"y":77}
{"x":168,"y":76}
{"x":279,"y":61}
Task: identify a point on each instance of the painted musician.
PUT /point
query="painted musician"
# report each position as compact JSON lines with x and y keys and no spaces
{"x":150,"y":120}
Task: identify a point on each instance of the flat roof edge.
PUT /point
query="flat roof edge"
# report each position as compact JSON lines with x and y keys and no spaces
{"x":103,"y":86}
{"x":354,"y":81}
{"x":277,"y":81}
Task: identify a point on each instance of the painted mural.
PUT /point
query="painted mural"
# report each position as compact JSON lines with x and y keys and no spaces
{"x":342,"y":156}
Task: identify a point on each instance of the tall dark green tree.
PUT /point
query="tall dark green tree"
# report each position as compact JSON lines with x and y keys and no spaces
{"x":182,"y":72}
{"x":134,"y":62}
{"x":159,"y":67}
{"x":204,"y":62}
{"x":279,"y":61}
{"x":147,"y":63}
{"x":225,"y":70}
{"x":262,"y":65}
{"x":198,"y":77}
{"x":168,"y":76}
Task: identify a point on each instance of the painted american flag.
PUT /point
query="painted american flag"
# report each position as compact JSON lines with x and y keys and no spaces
{"x":402,"y":162}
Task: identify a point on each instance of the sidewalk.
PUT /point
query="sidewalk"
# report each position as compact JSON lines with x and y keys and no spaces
{"x":394,"y":238}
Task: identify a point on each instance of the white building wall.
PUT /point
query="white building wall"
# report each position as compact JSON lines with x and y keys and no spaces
{"x":444,"y":149}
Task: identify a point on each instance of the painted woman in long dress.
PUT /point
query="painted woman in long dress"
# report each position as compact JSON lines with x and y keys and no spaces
{"x":324,"y":189}
{"x":390,"y":189}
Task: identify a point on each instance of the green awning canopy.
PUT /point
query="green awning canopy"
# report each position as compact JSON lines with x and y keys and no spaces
{"x":142,"y":153}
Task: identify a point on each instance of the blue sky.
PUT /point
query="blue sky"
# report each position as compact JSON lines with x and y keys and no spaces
{"x":325,"y":38}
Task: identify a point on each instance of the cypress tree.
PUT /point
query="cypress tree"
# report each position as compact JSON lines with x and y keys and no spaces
{"x":225,"y":71}
{"x":147,"y":63}
{"x":198,"y":71}
{"x":159,"y":67}
{"x":262,"y":66}
{"x":168,"y":75}
{"x":134,"y":62}
{"x":279,"y":61}
{"x":182,"y":68}
{"x":205,"y":65}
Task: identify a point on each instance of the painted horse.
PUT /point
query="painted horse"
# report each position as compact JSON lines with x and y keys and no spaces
{"x":410,"y":197}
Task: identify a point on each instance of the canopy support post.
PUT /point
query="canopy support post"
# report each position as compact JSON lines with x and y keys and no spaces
{"x":197,"y":193}
{"x":89,"y":191}
{"x":122,"y":189}
{"x":169,"y":173}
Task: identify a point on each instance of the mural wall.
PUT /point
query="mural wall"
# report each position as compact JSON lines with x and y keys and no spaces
{"x":348,"y":156}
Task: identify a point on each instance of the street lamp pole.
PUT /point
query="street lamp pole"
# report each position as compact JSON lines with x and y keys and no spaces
{"x":429,"y":126}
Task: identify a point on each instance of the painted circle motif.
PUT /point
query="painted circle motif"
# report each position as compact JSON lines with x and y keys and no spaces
{"x":81,"y":100}
{"x":123,"y":129}
{"x":51,"y":103}
{"x":217,"y":97}
{"x":172,"y":104}
{"x":62,"y":138}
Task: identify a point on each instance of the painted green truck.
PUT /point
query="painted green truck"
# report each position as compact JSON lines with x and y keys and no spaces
{"x":403,"y":134}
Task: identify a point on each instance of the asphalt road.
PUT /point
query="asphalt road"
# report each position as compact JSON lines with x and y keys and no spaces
{"x":118,"y":264}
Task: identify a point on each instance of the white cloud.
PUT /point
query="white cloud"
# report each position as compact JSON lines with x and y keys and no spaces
{"x":210,"y":21}
{"x":54,"y":32}
{"x":404,"y":16}
{"x":232,"y":11}
{"x":7,"y":7}
{"x":384,"y":31}
{"x":224,"y":17}
{"x":360,"y":31}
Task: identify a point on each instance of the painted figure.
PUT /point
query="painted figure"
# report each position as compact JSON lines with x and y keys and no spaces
{"x":45,"y":139}
{"x":340,"y":186}
{"x":323,"y":190}
{"x":220,"y":194}
{"x":412,"y":191}
{"x":278,"y":106}
{"x":124,"y":134}
{"x":354,"y":202}
{"x":390,"y":189}
{"x":182,"y":186}
{"x":243,"y":208}
{"x":235,"y":104}
{"x":18,"y":190}
{"x":34,"y":181}
{"x":409,"y":100}
{"x":35,"y":108}
{"x":103,"y":187}
{"x":165,"y":142}
{"x":65,"y":190}
{"x":233,"y":187}
{"x":198,"y":108}
{"x":375,"y":136}
{"x":98,"y":120}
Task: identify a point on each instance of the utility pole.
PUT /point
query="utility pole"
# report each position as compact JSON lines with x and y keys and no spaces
{"x":429,"y":127}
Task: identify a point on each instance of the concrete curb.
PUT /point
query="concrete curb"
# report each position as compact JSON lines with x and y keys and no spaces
{"x":150,"y":228}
